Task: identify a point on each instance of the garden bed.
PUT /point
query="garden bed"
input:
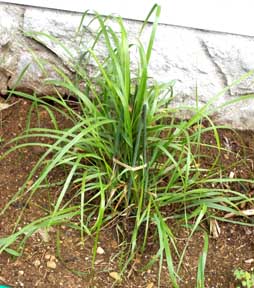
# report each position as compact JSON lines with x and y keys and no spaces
{"x":59,"y":259}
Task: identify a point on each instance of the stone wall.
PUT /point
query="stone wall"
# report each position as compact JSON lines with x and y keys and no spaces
{"x":207,"y":60}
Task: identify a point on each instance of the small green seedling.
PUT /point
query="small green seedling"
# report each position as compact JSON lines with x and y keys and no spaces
{"x":246,"y":278}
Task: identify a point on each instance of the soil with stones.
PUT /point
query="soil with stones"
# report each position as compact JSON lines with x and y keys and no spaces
{"x":60,"y":259}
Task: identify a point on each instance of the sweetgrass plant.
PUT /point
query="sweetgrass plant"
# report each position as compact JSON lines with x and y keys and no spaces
{"x":124,"y":154}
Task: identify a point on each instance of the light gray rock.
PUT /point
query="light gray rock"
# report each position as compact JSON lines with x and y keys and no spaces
{"x":201,"y":61}
{"x":19,"y":53}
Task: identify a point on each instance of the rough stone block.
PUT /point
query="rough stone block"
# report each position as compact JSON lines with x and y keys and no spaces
{"x":198,"y":60}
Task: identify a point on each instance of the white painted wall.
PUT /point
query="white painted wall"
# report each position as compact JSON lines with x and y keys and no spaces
{"x":232,"y":16}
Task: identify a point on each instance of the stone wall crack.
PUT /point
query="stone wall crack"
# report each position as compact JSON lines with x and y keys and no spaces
{"x":218,"y":69}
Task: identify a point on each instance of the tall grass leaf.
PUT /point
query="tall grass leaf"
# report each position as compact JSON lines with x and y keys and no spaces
{"x":201,"y":213}
{"x":202,"y":263}
{"x":164,"y":246}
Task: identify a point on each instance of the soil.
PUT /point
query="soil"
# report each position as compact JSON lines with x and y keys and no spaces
{"x":59,"y":259}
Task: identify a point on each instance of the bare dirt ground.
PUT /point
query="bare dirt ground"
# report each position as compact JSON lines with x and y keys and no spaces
{"x":43,"y":265}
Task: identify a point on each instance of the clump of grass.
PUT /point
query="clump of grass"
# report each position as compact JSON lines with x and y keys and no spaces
{"x":125,"y":152}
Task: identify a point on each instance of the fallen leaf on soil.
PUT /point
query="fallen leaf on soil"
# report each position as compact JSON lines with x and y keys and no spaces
{"x":214,"y":228}
{"x":29,"y":183}
{"x":100,"y":251}
{"x":226,"y":156}
{"x":137,"y":260}
{"x":4,"y":106}
{"x":115,"y":276}
{"x":150,"y":285}
{"x":44,"y":235}
{"x":129,"y":168}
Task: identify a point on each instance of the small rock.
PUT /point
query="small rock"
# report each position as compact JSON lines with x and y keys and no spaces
{"x":249,"y":261}
{"x":47,"y":256}
{"x":115,"y":276}
{"x":21,"y":273}
{"x":100,"y":251}
{"x":51,"y":264}
{"x":231,"y":175}
{"x":37,"y":263}
{"x":21,"y":284}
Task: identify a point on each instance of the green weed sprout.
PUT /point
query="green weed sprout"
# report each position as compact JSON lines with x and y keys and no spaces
{"x":246,"y":278}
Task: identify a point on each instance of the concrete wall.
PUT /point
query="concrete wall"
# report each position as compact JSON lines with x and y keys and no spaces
{"x":209,"y":60}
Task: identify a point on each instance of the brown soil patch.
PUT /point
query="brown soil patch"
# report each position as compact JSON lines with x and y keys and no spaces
{"x":233,"y":249}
